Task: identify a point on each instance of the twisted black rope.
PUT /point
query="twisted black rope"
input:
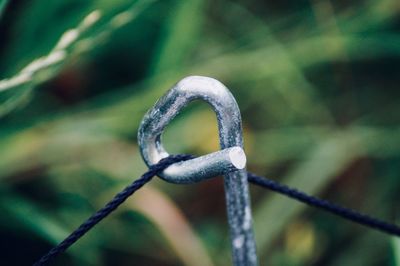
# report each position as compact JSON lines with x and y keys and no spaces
{"x":110,"y":207}
{"x":325,"y":205}
{"x":343,"y":212}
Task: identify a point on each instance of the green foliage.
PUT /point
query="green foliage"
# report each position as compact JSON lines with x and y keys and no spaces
{"x":317,"y":83}
{"x":396,"y":248}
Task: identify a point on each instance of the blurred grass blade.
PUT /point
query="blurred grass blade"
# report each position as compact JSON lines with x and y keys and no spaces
{"x":3,"y":6}
{"x":364,"y":250}
{"x":396,"y":250}
{"x":39,"y":222}
{"x":326,"y":161}
{"x":17,"y":100}
{"x":43,"y":68}
{"x":173,"y":225}
{"x":180,"y":37}
{"x":30,"y":217}
{"x":31,"y":72}
{"x":295,"y":88}
{"x":47,"y":67}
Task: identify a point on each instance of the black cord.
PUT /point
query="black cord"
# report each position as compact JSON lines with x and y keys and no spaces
{"x":110,"y":207}
{"x":343,"y":212}
{"x":325,"y":205}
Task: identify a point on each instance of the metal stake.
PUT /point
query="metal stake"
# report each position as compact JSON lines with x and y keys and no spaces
{"x":230,"y":161}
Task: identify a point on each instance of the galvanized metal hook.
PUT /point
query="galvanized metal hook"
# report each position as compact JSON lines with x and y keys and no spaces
{"x":230,"y":161}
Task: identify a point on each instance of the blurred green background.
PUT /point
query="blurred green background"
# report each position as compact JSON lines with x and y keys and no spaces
{"x":317,"y":83}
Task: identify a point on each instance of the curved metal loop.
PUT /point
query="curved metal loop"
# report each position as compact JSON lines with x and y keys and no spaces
{"x":231,"y":158}
{"x":230,"y":161}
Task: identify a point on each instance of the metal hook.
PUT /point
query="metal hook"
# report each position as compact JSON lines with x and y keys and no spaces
{"x":230,"y":161}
